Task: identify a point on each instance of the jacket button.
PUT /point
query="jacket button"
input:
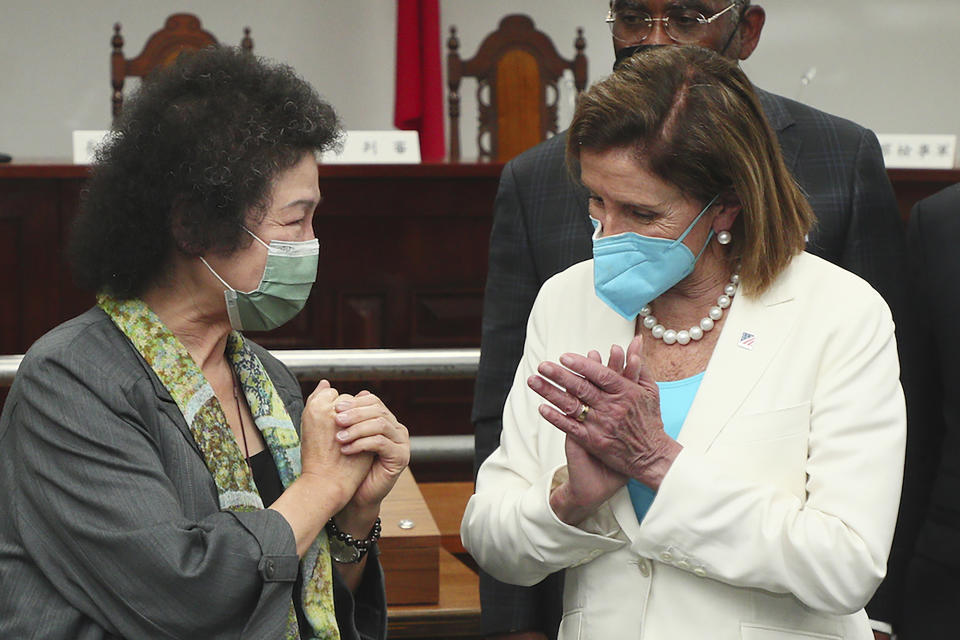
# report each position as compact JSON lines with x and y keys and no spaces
{"x":683,"y":564}
{"x":700,"y":572}
{"x":270,"y":568}
{"x":644,"y":566}
{"x":666,"y":556}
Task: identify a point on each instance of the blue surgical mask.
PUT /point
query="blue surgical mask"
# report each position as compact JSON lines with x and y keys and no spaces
{"x":631,"y":270}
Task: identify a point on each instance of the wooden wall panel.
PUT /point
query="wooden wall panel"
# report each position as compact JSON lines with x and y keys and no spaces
{"x":361,"y":319}
{"x":403,"y":260}
{"x":35,"y":277}
{"x":447,"y":318}
{"x":11,"y":288}
{"x":403,"y":254}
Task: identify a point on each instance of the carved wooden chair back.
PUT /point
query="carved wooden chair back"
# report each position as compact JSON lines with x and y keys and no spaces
{"x":517,"y":69}
{"x":181,"y":32}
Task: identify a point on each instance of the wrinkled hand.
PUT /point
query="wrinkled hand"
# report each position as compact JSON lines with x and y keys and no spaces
{"x":321,"y":454}
{"x":590,"y":482}
{"x":368,"y":428}
{"x":623,"y":428}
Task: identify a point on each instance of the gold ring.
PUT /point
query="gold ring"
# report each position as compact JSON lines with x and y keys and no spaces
{"x":584,"y":410}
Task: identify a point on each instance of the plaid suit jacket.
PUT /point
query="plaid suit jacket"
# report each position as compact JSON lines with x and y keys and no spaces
{"x":541,"y":227}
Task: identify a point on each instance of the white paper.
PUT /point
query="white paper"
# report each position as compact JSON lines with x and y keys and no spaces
{"x":85,"y":143}
{"x":377,"y":147}
{"x":918,"y":151}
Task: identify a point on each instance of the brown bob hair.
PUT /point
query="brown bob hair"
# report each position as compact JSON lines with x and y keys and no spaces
{"x":692,"y":118}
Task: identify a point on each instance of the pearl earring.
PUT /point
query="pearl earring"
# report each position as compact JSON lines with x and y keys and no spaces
{"x":724,"y":237}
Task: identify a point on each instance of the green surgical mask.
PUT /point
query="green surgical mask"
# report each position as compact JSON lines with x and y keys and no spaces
{"x":288,"y":276}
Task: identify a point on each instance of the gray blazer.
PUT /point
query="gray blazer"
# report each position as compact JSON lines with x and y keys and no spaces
{"x":111,"y":526}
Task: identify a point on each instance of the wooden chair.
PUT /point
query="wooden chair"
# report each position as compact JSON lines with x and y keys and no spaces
{"x":181,"y":32}
{"x":517,"y":69}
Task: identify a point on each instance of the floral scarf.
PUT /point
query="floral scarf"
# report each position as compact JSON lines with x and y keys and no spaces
{"x":202,"y":411}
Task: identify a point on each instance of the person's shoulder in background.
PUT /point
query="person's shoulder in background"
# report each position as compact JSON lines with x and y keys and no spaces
{"x":943,"y":203}
{"x":543,"y":159}
{"x":783,"y":112}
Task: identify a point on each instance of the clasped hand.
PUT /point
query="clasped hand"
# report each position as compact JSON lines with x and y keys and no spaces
{"x":621,"y":435}
{"x":354,"y":441}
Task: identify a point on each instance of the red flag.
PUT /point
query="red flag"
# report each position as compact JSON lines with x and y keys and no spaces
{"x":419,"y":97}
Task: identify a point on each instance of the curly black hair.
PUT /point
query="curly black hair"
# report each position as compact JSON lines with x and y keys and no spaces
{"x":194,"y":152}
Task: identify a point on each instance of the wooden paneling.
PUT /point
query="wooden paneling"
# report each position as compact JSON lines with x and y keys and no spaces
{"x":11,"y":289}
{"x":360,"y":319}
{"x":912,"y":185}
{"x":403,"y":254}
{"x":36,"y":286}
{"x":446,"y":318}
{"x":403,"y":262}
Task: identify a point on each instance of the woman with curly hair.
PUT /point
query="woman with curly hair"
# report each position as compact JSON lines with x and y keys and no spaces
{"x":143,"y":440}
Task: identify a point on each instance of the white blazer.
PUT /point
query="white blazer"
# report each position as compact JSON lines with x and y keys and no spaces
{"x":775,"y":520}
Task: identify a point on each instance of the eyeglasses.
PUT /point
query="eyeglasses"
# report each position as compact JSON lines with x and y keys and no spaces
{"x":683,"y":26}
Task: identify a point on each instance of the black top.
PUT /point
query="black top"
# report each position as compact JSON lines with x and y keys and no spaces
{"x":265,"y":476}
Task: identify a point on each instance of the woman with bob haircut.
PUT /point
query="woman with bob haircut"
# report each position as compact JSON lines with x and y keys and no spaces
{"x":732,"y":471}
{"x":143,"y":440}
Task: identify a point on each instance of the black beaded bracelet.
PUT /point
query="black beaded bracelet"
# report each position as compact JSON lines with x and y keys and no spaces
{"x":346,"y":538}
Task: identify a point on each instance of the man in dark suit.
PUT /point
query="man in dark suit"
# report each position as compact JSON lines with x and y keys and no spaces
{"x":930,"y":510}
{"x":541,"y":227}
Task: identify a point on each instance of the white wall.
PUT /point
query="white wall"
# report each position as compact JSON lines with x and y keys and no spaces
{"x":55,"y":73}
{"x":888,"y":64}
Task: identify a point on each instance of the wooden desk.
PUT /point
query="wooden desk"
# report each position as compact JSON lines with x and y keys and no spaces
{"x":451,"y":590}
{"x":456,"y":615}
{"x":447,"y":502}
{"x":409,"y":555}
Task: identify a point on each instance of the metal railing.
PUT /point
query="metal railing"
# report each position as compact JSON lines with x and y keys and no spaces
{"x":368,"y":364}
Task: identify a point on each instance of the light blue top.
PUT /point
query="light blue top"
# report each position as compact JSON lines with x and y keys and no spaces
{"x":676,"y":397}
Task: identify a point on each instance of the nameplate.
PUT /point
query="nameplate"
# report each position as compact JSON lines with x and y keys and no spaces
{"x":918,"y":151}
{"x":85,"y":145}
{"x":377,"y":147}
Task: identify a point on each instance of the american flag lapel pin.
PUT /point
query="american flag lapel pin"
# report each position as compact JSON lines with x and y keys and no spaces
{"x":747,"y":340}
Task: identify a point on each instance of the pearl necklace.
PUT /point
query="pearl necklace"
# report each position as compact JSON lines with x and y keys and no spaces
{"x":694,"y":333}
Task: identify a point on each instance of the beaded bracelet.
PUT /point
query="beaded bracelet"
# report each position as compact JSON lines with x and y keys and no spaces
{"x":346,"y":538}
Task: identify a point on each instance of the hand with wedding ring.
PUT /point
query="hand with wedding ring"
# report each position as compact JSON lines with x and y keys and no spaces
{"x":611,"y":415}
{"x":582,"y":414}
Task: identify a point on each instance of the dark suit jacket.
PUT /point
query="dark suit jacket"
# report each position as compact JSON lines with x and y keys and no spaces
{"x":541,"y":227}
{"x":111,"y":525}
{"x":929,"y":525}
